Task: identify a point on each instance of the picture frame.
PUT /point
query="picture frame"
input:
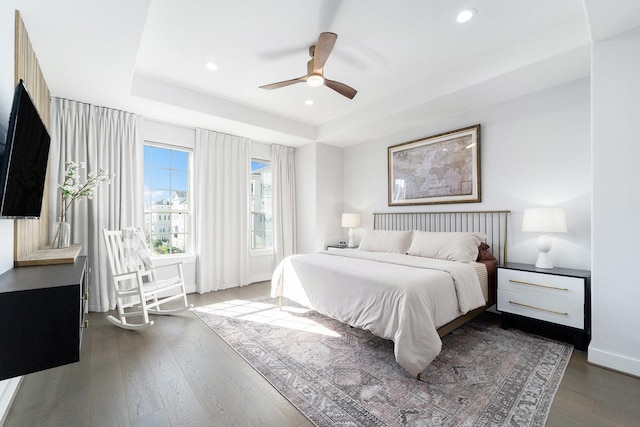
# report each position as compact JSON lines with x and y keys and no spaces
{"x":443,"y":168}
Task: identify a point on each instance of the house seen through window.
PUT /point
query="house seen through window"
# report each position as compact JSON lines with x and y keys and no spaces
{"x":166,"y":200}
{"x":261,"y":205}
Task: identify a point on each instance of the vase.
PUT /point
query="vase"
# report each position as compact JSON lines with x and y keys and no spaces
{"x":62,"y":238}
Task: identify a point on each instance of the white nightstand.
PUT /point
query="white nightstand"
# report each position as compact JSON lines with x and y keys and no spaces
{"x":337,"y":247}
{"x":553,"y":302}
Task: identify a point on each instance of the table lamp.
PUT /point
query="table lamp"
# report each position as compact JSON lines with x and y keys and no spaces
{"x":543,"y":221}
{"x":351,"y":221}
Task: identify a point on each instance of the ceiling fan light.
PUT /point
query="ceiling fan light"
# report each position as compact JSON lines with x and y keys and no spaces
{"x":466,"y":15}
{"x":315,"y":80}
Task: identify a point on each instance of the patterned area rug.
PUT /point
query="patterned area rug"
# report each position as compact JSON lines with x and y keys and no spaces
{"x":341,"y":376}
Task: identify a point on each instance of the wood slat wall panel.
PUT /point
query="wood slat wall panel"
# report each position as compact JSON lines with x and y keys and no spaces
{"x":31,"y":235}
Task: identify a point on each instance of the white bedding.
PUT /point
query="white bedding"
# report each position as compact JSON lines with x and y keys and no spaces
{"x":397,"y":297}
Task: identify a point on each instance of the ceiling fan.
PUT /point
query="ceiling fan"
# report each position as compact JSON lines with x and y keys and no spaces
{"x":315,"y":77}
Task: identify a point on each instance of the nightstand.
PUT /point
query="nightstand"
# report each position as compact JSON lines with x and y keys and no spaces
{"x":334,"y":247}
{"x":552,"y":302}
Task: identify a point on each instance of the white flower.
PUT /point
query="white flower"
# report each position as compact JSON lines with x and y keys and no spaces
{"x":72,"y":188}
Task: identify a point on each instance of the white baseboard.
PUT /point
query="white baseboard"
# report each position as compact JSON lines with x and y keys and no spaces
{"x":261,"y":278}
{"x":613,"y":361}
{"x":8,"y":390}
{"x":191,"y":289}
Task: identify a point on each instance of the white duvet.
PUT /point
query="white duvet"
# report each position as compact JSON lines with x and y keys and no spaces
{"x":397,"y":297}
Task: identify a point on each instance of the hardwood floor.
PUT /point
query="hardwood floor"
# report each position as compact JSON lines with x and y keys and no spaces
{"x":179,"y":372}
{"x":592,"y":396}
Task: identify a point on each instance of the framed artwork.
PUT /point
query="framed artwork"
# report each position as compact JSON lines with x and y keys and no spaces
{"x":443,"y":168}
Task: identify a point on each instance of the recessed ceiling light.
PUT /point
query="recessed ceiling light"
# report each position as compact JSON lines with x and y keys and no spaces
{"x":466,"y":15}
{"x":211,"y":66}
{"x":309,"y":102}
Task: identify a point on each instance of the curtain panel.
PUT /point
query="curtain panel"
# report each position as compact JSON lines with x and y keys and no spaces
{"x":101,"y":138}
{"x":284,"y":202}
{"x":221,"y":220}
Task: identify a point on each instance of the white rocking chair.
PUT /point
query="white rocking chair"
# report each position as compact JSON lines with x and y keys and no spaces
{"x":139,"y":285}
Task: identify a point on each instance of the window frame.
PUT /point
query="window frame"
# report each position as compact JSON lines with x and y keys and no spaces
{"x":269,"y":249}
{"x":189,"y":244}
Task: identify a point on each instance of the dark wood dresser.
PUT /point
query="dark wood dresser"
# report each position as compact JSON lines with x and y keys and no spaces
{"x":41,"y":316}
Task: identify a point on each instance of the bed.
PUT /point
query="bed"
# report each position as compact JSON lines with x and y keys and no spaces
{"x":414,"y":278}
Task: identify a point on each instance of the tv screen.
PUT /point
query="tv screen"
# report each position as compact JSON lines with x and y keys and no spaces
{"x":23,"y":159}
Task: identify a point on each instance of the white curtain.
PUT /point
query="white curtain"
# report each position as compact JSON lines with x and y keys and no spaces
{"x":101,"y":138}
{"x":284,"y":202}
{"x":221,"y":220}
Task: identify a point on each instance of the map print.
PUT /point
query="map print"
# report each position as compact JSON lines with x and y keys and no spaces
{"x":438,"y":169}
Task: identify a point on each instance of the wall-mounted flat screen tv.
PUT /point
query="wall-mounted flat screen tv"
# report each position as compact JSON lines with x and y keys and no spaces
{"x":23,"y":159}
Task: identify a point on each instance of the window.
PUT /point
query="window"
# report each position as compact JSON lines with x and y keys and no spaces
{"x":166,"y":200}
{"x":261,"y":206}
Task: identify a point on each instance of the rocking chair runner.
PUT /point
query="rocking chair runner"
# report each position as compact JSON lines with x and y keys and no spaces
{"x":134,"y":279}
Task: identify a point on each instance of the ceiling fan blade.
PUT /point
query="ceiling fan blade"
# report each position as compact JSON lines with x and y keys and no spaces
{"x":341,"y":88}
{"x":325,"y":44}
{"x":284,"y":83}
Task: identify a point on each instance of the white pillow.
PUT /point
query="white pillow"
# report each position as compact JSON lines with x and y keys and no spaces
{"x":386,"y":241}
{"x":453,"y":246}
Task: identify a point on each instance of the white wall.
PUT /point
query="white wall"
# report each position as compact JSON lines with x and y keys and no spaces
{"x":7,"y":17}
{"x":616,"y":202}
{"x":319,"y":196}
{"x":306,"y":190}
{"x":330,"y":182}
{"x":535,"y":151}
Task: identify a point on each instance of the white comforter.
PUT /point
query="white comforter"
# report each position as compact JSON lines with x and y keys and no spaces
{"x":396,"y":297}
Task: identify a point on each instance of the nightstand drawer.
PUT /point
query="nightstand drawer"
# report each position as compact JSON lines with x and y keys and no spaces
{"x":542,"y":308}
{"x":546,"y":286}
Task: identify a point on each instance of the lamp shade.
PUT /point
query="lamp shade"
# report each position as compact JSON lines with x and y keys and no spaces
{"x":544,"y":220}
{"x":350,"y":220}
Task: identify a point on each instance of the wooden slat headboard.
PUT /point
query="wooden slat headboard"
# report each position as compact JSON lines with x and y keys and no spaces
{"x":491,"y":223}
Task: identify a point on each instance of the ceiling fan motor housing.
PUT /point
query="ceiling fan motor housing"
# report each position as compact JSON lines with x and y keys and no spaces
{"x":315,"y":74}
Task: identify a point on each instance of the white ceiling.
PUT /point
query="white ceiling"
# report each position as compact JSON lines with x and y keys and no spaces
{"x":410,"y":61}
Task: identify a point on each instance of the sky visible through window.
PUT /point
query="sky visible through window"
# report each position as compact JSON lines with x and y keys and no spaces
{"x":165,"y":171}
{"x":255,"y":165}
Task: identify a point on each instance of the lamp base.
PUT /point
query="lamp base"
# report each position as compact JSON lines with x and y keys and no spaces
{"x":351,"y":243}
{"x":544,"y":261}
{"x":544,"y":246}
